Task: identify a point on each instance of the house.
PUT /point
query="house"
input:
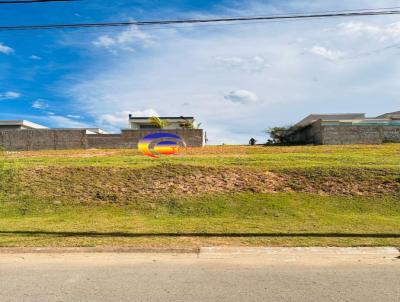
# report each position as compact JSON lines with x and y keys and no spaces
{"x":345,"y":128}
{"x":27,"y":125}
{"x":185,"y":127}
{"x":19,"y":125}
{"x":329,"y":117}
{"x":391,"y":115}
{"x":172,"y":123}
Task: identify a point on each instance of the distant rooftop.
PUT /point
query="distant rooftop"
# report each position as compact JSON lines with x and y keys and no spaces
{"x":329,"y":117}
{"x":21,"y":123}
{"x":88,"y":130}
{"x":395,"y":114}
{"x":350,"y":118}
{"x":162,"y":117}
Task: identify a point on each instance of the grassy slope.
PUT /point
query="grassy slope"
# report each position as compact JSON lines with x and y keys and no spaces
{"x":272,"y":158}
{"x":259,"y":219}
{"x":212,"y":218}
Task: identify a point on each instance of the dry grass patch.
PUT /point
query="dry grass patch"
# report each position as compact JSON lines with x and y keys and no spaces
{"x":102,"y":184}
{"x":124,"y":184}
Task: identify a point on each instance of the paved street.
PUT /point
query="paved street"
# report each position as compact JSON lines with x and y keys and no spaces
{"x":228,"y":275}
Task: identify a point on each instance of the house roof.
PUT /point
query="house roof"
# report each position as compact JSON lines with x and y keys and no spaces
{"x":88,"y":130}
{"x":21,"y":123}
{"x":386,"y":115}
{"x":329,"y":117}
{"x":131,"y":117}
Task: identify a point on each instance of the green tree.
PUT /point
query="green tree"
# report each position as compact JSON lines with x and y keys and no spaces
{"x":279,"y":135}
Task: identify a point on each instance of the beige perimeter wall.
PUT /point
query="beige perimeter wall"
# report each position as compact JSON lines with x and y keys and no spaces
{"x":47,"y":139}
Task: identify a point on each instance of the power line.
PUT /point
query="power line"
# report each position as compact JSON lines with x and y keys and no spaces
{"x":359,"y":10}
{"x":287,"y":17}
{"x":33,"y":1}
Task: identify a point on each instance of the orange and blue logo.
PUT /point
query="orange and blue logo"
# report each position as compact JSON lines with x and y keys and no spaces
{"x":160,"y":143}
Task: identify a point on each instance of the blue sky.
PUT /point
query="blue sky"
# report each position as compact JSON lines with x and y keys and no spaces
{"x":236,"y":80}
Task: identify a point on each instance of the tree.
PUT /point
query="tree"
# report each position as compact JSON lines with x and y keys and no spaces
{"x":159,"y":123}
{"x":279,"y":135}
{"x":188,"y":124}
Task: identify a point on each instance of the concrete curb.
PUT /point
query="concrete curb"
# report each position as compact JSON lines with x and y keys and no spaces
{"x":77,"y":250}
{"x":322,"y":251}
{"x":327,"y":251}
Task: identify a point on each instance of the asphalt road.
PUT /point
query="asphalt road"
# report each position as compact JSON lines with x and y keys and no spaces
{"x":205,"y":277}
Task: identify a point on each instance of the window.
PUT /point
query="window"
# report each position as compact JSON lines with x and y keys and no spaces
{"x":147,"y":126}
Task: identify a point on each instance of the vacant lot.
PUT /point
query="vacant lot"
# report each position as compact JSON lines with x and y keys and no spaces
{"x":340,"y":195}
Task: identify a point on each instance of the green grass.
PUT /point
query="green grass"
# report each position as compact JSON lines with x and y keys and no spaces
{"x":244,"y":219}
{"x":43,"y":216}
{"x":273,"y":158}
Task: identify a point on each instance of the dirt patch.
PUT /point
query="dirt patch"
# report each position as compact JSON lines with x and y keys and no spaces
{"x":104,"y":184}
{"x":344,"y":181}
{"x":84,"y":153}
{"x":115,"y":184}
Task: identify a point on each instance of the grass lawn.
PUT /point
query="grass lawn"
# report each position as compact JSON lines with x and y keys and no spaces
{"x":261,"y":196}
{"x":273,"y":158}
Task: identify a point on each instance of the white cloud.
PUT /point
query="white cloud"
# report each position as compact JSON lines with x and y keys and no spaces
{"x":326,"y":53}
{"x":9,"y":95}
{"x":381,"y":32}
{"x":120,"y":119}
{"x":359,"y":28}
{"x":250,"y":64}
{"x":39,"y":104}
{"x":242,"y":97}
{"x":73,"y":116}
{"x":104,"y":41}
{"x":133,"y":34}
{"x":5,"y":49}
{"x":34,"y":57}
{"x":126,"y":40}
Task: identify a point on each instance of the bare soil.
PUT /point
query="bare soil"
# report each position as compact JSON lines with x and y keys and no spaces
{"x":103,"y":184}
